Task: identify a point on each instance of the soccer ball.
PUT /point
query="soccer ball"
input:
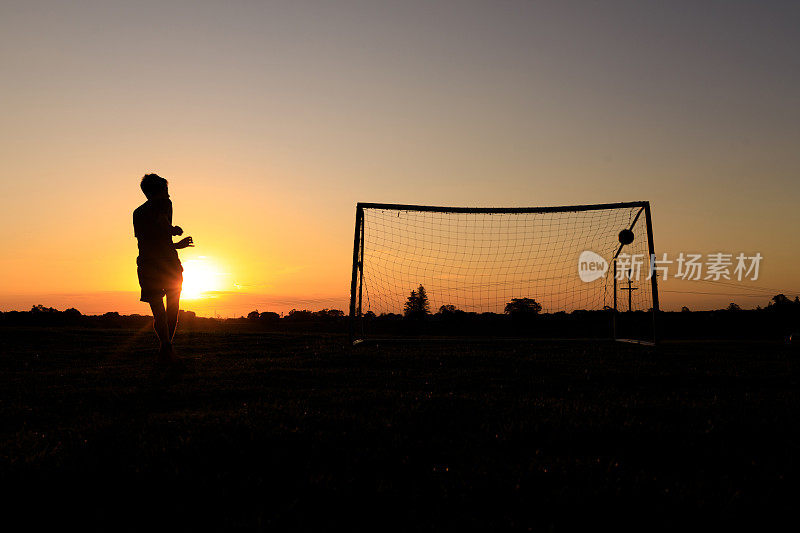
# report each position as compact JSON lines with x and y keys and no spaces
{"x":626,"y":236}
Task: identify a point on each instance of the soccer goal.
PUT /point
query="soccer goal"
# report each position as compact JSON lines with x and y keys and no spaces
{"x":582,"y":271}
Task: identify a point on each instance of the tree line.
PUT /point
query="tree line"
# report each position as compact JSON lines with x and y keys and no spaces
{"x":418,"y":306}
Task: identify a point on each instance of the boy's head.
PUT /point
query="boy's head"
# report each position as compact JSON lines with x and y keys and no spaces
{"x":153,"y":186}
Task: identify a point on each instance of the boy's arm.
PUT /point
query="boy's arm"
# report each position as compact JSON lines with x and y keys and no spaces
{"x":174,"y":230}
{"x":183,"y":243}
{"x":177,"y":230}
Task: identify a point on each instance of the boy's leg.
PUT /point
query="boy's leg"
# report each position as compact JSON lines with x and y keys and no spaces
{"x":173,"y":304}
{"x":160,"y":321}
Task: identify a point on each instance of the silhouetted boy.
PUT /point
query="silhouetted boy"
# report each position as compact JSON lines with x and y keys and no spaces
{"x":159,"y":269}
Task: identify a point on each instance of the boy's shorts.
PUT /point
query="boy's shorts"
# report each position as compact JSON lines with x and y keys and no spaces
{"x":157,"y":278}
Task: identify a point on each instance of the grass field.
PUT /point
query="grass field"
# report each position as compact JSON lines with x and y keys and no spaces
{"x":270,"y":431}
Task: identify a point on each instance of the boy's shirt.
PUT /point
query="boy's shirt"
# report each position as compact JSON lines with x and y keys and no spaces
{"x":152,"y":226}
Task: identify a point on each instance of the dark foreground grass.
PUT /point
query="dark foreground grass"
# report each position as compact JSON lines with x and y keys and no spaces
{"x":269,"y":432}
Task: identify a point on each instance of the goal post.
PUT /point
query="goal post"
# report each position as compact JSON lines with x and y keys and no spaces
{"x":581,"y":271}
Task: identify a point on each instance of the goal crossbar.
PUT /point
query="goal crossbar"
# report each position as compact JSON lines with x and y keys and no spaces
{"x":500,"y":210}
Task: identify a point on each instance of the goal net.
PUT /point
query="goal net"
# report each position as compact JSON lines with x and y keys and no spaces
{"x":542,"y":271}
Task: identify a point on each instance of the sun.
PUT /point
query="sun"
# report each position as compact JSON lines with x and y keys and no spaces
{"x":200,"y":277}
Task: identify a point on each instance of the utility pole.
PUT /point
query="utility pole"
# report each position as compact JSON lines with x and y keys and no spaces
{"x":630,"y":290}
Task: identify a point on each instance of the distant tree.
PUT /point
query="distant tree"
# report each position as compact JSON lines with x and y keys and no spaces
{"x":523,"y":307}
{"x":411,"y":303}
{"x":42,"y":309}
{"x":72,"y":312}
{"x":253,"y":315}
{"x":685,"y":309}
{"x":422,"y":296}
{"x":733,"y":307}
{"x":780,"y":299}
{"x":330,"y":313}
{"x":417,"y":305}
{"x":300,"y":314}
{"x":369,"y":315}
{"x":448,"y":309}
{"x":268,"y":316}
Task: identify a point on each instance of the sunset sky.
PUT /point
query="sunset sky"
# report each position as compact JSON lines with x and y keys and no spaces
{"x":272,"y":119}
